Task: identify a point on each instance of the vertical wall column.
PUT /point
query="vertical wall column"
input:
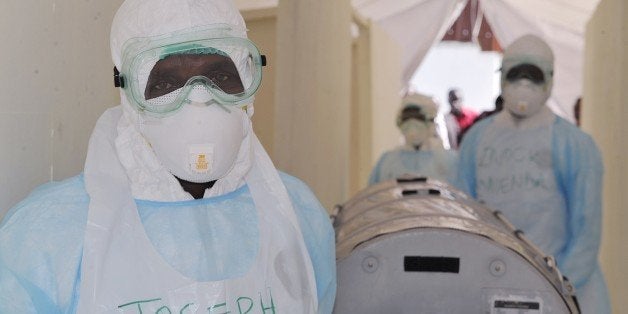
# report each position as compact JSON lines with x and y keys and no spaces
{"x":313,"y":69}
{"x":605,"y":116}
{"x":375,"y":100}
{"x":386,"y":71}
{"x":361,"y":109}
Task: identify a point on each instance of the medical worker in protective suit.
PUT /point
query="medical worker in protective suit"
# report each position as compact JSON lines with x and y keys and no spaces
{"x":422,"y":154}
{"x":540,"y":170}
{"x":179,"y":208}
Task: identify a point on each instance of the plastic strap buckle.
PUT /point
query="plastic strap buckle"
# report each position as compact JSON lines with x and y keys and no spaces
{"x":118,"y":81}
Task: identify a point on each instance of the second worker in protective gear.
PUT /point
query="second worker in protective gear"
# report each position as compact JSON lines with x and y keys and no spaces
{"x":180,"y":208}
{"x":423,"y":153}
{"x":541,"y":171}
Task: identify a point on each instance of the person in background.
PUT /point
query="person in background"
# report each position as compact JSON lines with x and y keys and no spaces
{"x":459,"y":119}
{"x":576,"y":110}
{"x":179,"y":208}
{"x":499,"y":105}
{"x":541,"y":171}
{"x":422,"y":154}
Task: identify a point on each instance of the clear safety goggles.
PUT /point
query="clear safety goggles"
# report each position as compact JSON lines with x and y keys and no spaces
{"x":161,"y":74}
{"x":526,"y":71}
{"x":413,"y":112}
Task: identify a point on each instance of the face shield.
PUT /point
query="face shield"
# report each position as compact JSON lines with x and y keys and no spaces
{"x":161,"y":74}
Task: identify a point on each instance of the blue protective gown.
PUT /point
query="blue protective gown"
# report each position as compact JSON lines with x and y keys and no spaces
{"x":436,"y":164}
{"x":41,"y":242}
{"x":567,"y":224}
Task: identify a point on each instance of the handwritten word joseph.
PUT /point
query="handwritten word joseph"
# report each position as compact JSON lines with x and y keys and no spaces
{"x":240,"y":305}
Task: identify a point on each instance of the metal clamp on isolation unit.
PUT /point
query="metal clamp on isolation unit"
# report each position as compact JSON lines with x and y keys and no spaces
{"x":519,"y":234}
{"x":553,"y":266}
{"x":412,"y":180}
{"x":334,"y":213}
{"x":420,"y":192}
{"x":549,"y":260}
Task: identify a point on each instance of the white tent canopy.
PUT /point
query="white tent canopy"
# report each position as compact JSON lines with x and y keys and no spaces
{"x":417,"y":24}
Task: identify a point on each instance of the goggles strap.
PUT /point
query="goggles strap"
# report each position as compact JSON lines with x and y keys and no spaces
{"x":118,"y":80}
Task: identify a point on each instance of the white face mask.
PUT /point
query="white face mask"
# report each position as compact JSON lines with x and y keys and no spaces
{"x":523,"y":98}
{"x":415,"y":132}
{"x":199,"y":143}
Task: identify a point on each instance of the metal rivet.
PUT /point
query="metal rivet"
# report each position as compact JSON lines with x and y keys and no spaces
{"x":497,"y":268}
{"x":370,"y":264}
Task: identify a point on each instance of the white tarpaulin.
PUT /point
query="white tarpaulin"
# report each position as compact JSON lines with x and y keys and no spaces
{"x":561,"y":24}
{"x":417,"y":24}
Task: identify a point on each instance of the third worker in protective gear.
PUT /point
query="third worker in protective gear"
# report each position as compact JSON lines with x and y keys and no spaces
{"x":423,"y":153}
{"x":541,"y":171}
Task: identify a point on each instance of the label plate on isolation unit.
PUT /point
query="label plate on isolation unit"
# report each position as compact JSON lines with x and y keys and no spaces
{"x":515,"y":304}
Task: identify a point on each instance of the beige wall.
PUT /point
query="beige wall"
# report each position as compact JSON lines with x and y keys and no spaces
{"x":311,"y":139}
{"x":56,"y":80}
{"x":386,"y":86}
{"x":604,"y":116}
{"x":374,"y":101}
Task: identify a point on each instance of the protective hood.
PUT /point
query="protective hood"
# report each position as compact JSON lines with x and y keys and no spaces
{"x":140,"y":18}
{"x":418,"y":132}
{"x":529,"y":49}
{"x":428,"y":106}
{"x":144,"y":159}
{"x":524,"y":98}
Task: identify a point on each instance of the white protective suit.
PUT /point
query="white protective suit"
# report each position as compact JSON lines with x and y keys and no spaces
{"x":541,"y":171}
{"x":429,"y":160}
